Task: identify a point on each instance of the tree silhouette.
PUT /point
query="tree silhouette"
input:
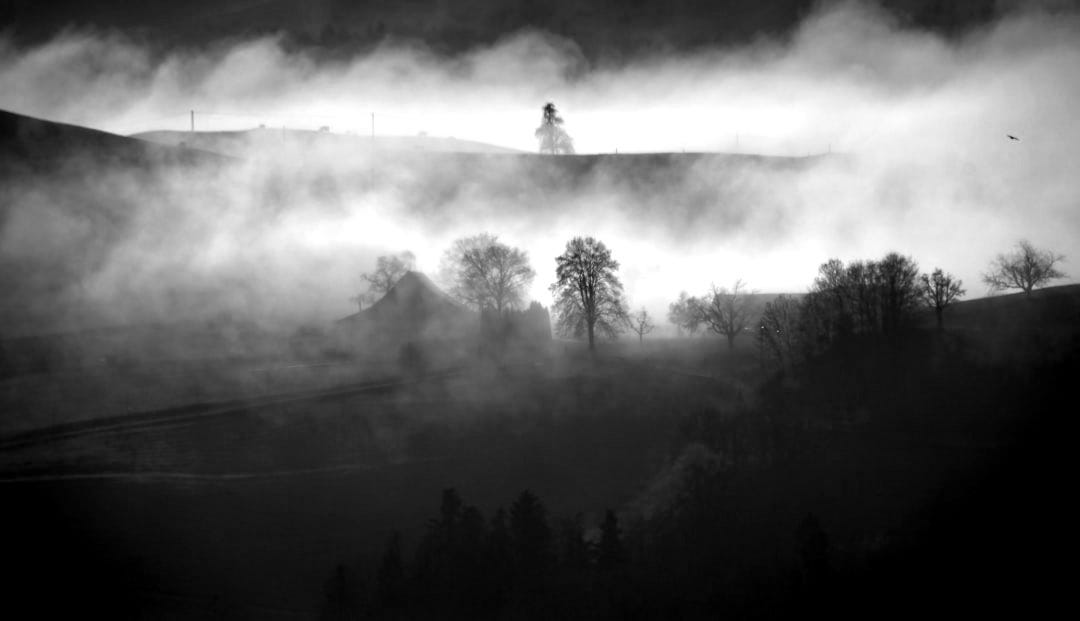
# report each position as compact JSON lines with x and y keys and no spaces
{"x":575,"y":549}
{"x":468,"y":560}
{"x":610,"y":552}
{"x":938,"y":290}
{"x":641,"y":324}
{"x":685,"y":313}
{"x":500,"y":558}
{"x":588,"y":294}
{"x":864,"y":297}
{"x":897,"y":277}
{"x":390,"y":579}
{"x":1026,"y":268}
{"x":553,"y":138}
{"x":485,"y":272}
{"x":435,"y":556}
{"x":727,"y":312}
{"x":343,"y":596}
{"x":778,"y":332}
{"x":813,"y":548}
{"x":531,"y":536}
{"x":449,"y":510}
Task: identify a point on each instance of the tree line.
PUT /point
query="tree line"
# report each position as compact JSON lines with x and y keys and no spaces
{"x":466,"y":566}
{"x":861,"y":297}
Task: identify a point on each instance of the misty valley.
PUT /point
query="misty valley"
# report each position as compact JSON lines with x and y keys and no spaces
{"x":546,"y":311}
{"x":181,"y":441}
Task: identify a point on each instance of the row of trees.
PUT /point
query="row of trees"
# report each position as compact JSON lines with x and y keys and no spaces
{"x":485,"y":273}
{"x":480,"y":271}
{"x":466,"y":566}
{"x":723,"y":311}
{"x":859,"y":297}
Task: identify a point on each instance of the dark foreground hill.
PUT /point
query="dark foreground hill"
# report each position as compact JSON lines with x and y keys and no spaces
{"x":890,"y":479}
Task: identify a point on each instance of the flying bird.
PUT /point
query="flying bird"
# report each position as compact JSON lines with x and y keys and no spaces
{"x":1011,"y":137}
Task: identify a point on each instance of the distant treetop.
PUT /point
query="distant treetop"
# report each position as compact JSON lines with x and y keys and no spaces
{"x":553,"y":138}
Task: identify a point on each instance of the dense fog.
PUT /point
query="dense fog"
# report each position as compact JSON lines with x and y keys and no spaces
{"x":907,"y":130}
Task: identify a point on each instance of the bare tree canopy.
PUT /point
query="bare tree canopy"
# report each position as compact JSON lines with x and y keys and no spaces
{"x":727,"y":311}
{"x":641,"y":324}
{"x":778,"y":332}
{"x":685,"y":313}
{"x":897,"y":277}
{"x":938,"y":290}
{"x":588,"y":294}
{"x":553,"y":138}
{"x":486,"y":273}
{"x":1026,"y":268}
{"x":863,"y":297}
{"x":388,"y":270}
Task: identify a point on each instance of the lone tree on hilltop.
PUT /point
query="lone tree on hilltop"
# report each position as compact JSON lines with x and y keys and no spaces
{"x":1026,"y":268}
{"x":938,"y":290}
{"x":553,"y":138}
{"x":641,"y":324}
{"x":388,"y":270}
{"x":727,"y":311}
{"x":485,"y":272}
{"x":588,"y":294}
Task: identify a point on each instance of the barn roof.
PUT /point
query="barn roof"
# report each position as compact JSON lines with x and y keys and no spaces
{"x":413,"y":303}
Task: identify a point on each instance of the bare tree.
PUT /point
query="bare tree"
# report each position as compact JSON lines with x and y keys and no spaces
{"x":388,"y":270}
{"x":727,"y":311}
{"x":685,"y":313}
{"x":1026,"y":269}
{"x":553,"y":138}
{"x":588,"y":294}
{"x":485,"y":272}
{"x":641,"y":324}
{"x":938,"y":290}
{"x":863,"y":297}
{"x":897,"y":279}
{"x":778,"y":332}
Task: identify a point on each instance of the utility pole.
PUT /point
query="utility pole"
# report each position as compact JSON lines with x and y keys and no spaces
{"x":372,"y":128}
{"x":193,"y":121}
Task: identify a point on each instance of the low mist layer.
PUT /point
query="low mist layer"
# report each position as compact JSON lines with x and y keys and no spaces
{"x":916,"y":125}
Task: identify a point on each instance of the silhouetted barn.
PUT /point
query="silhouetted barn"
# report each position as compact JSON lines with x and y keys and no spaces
{"x":414,"y":318}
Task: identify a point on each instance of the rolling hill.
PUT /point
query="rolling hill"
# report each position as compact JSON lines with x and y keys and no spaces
{"x":68,"y":196}
{"x":255,"y":142}
{"x":32,"y":145}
